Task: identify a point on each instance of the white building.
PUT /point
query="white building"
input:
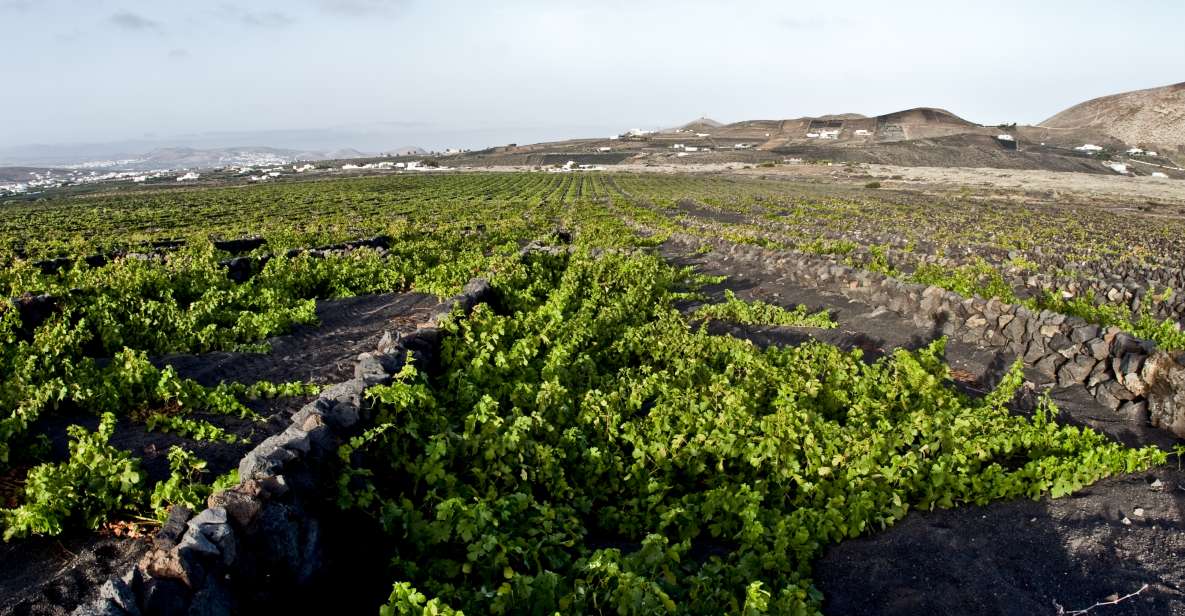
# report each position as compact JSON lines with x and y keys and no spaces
{"x":831,"y":133}
{"x":1005,"y":138}
{"x":743,"y":146}
{"x":860,"y":132}
{"x":1159,"y":174}
{"x":1116,"y":167}
{"x":691,"y":148}
{"x":1135,"y":152}
{"x":188,"y":176}
{"x":604,"y":149}
{"x":302,"y":168}
{"x":1089,"y":147}
{"x":812,"y":135}
{"x":703,"y":135}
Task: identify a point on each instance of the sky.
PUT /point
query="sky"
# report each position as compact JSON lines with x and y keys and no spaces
{"x":377,"y":74}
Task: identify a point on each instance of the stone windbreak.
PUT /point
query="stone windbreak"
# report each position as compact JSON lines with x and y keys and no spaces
{"x":1128,"y":376}
{"x":265,"y":535}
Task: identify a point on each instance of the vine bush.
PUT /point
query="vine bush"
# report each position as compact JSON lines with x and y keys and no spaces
{"x":586,"y":451}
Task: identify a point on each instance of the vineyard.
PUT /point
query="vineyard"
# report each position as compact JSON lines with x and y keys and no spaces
{"x":674,"y":394}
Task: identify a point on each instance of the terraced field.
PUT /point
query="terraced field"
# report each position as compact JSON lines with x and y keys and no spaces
{"x":695,"y":394}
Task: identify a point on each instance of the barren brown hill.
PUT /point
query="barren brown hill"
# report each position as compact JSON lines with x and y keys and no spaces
{"x":1155,"y":116}
{"x":700,"y":124}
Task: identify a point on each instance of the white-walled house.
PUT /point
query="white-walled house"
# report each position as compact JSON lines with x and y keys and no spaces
{"x":1089,"y":147}
{"x":188,"y":176}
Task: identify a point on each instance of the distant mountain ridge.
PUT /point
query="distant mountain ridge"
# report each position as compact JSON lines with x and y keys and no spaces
{"x":182,"y":157}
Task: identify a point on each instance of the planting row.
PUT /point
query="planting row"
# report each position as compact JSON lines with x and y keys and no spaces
{"x":1125,"y":374}
{"x":1080,"y":259}
{"x":577,"y":447}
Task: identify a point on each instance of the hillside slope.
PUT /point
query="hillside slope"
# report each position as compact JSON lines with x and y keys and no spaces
{"x":1152,"y":116}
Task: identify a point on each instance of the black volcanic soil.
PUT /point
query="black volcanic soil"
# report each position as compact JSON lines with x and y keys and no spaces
{"x":1015,"y":557}
{"x":951,"y":151}
{"x":51,"y":575}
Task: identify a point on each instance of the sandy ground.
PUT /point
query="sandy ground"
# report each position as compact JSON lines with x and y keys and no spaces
{"x":1083,"y":183}
{"x":953,"y":178}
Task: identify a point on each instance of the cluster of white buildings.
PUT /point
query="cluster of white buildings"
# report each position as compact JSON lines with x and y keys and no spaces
{"x":827,"y":133}
{"x":44,"y":180}
{"x":1141,"y":152}
{"x":415,"y":165}
{"x":685,"y":130}
{"x":683,"y":148}
{"x":383,"y":165}
{"x":263,"y":177}
{"x":573,"y":166}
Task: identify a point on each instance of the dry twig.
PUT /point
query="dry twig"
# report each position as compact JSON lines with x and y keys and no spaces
{"x":1061,"y":611}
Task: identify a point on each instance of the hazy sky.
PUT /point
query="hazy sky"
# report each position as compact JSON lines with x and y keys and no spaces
{"x":474,"y":73}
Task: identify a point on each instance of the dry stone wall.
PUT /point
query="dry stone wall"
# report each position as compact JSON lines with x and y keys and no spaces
{"x":1128,"y":376}
{"x":1116,"y":283}
{"x":265,"y":534}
